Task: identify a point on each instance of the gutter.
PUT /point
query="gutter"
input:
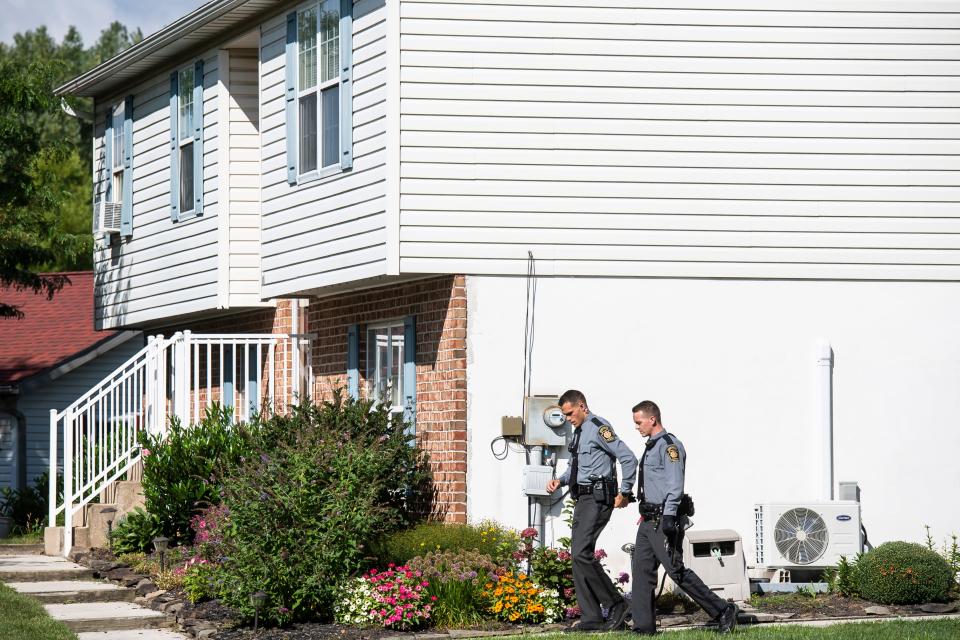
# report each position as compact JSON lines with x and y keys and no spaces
{"x":151,"y":44}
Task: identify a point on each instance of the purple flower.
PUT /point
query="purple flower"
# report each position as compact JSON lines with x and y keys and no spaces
{"x":623,"y":578}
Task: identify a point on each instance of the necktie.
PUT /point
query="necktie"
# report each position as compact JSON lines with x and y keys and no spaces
{"x":574,"y":457}
{"x":649,"y":445}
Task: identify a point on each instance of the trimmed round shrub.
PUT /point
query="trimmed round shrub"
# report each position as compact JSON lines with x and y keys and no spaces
{"x":903,"y":573}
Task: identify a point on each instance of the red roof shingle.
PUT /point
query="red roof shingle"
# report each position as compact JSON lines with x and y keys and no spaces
{"x":52,"y":331}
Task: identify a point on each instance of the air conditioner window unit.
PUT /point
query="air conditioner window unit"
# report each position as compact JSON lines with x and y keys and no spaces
{"x":807,"y":535}
{"x":106,"y":217}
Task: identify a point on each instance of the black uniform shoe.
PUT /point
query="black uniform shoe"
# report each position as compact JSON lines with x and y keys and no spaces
{"x":727,"y":620}
{"x":617,"y":620}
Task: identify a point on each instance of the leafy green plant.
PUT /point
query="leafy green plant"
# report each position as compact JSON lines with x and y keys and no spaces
{"x":135,"y":532}
{"x":324,"y":481}
{"x":903,"y":573}
{"x":28,"y":506}
{"x":842,"y":579}
{"x":200,"y":581}
{"x":950,"y":551}
{"x":487,"y":537}
{"x":178,"y":468}
{"x":455,"y":579}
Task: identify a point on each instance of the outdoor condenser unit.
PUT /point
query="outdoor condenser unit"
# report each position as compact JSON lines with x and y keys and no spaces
{"x":106,"y":217}
{"x":807,"y":535}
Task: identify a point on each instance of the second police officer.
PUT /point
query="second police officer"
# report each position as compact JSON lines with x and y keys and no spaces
{"x":592,"y":477}
{"x":663,"y":512}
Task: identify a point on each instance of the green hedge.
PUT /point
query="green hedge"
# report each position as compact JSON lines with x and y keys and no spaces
{"x":486,"y":537}
{"x":903,"y":573}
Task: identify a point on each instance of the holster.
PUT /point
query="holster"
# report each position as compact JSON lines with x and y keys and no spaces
{"x":605,"y":491}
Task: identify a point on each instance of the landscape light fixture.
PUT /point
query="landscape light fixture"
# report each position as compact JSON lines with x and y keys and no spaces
{"x":160,"y":545}
{"x":257,"y":599}
{"x":109,"y":511}
{"x":628,"y":548}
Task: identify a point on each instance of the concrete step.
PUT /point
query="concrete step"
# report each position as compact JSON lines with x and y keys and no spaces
{"x":36,"y":568}
{"x":20,"y":549}
{"x":107,"y":616}
{"x":72,"y":591}
{"x":133,"y":634}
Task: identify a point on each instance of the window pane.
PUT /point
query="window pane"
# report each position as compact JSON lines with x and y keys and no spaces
{"x":330,"y":41}
{"x":308,"y":133}
{"x":117,"y":195}
{"x":185,"y":99}
{"x":331,"y":125}
{"x":118,"y":136}
{"x":307,"y":37}
{"x":385,"y":363}
{"x":186,"y":177}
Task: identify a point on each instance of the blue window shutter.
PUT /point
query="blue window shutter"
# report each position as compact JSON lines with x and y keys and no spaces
{"x":108,"y":155}
{"x":198,"y":137}
{"x":346,"y":84}
{"x":126,"y":210}
{"x":410,"y":373}
{"x":174,"y":160}
{"x":353,"y":361}
{"x":291,"y":71}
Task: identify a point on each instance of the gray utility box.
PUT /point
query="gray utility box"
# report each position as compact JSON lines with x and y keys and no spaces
{"x":716,"y":556}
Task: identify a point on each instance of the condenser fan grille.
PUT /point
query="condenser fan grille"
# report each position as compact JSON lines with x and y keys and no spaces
{"x":801,"y":536}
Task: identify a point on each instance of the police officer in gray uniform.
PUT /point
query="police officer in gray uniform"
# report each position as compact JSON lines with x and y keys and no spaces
{"x":664,"y":509}
{"x":592,"y":477}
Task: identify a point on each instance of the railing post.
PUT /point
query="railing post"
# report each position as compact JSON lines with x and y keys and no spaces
{"x":181,"y":377}
{"x":67,"y":482}
{"x":52,"y":473}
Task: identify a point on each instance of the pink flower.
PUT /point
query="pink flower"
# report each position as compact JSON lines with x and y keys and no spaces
{"x":529,"y":532}
{"x":599,"y":554}
{"x":146,"y":452}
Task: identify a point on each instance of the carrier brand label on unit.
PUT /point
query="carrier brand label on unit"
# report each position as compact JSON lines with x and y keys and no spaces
{"x":843,"y":518}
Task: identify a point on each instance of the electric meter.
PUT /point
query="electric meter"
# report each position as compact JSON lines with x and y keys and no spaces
{"x":554,"y":417}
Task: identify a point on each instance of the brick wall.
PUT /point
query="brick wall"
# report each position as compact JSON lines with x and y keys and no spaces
{"x":440,"y":307}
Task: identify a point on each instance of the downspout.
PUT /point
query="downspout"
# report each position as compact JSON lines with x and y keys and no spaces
{"x":825,"y":374}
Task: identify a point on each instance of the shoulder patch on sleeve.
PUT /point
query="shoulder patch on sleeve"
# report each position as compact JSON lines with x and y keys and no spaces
{"x":673,"y":453}
{"x":606,"y":432}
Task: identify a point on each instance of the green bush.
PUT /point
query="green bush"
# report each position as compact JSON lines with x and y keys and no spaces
{"x":324,"y":481}
{"x":903,"y":573}
{"x":950,"y":552}
{"x":456,"y":578}
{"x":842,"y":580}
{"x":178,"y":468}
{"x":488,"y":537}
{"x":200,"y":581}
{"x":28,"y":506}
{"x":135,"y":532}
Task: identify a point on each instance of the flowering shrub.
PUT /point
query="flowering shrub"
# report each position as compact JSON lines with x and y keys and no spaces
{"x":199,"y":579}
{"x":208,"y":527}
{"x":393,"y":598}
{"x":487,"y":537}
{"x":513,"y":597}
{"x":456,"y":579}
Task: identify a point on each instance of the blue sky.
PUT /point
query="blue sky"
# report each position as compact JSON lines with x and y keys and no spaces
{"x":88,"y":16}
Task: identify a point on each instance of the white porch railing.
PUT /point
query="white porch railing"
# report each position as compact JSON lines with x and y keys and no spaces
{"x":180,"y":377}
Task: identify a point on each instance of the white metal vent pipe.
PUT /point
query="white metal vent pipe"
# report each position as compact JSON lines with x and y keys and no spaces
{"x":825,"y":387}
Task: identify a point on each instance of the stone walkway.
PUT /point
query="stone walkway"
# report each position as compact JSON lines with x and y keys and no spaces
{"x":93,"y":609}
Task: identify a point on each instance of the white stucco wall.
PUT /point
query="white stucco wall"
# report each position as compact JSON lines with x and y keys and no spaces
{"x":733,"y":366}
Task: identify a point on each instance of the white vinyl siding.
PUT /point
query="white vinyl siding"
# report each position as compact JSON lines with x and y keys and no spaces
{"x":332,"y":229}
{"x":166,"y":269}
{"x":244,"y":160}
{"x":718,"y":138}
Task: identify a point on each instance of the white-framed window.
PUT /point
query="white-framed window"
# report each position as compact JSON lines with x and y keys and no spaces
{"x":185,"y":137}
{"x":318,"y":85}
{"x":117,"y":154}
{"x":385,"y":358}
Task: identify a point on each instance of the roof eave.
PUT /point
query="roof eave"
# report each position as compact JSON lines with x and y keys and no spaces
{"x":86,"y":84}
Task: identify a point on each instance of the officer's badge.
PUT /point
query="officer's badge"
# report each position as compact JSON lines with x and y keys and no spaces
{"x":673,"y":453}
{"x":607,"y":433}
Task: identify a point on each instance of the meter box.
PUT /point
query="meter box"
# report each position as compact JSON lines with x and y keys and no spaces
{"x":717,"y":557}
{"x":544,"y":423}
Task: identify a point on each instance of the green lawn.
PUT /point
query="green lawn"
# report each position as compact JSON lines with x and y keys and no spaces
{"x":22,"y":617}
{"x":894,"y":630}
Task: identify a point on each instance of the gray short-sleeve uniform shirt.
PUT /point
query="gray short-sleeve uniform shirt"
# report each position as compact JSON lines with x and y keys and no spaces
{"x":663,"y":472}
{"x":598,"y":442}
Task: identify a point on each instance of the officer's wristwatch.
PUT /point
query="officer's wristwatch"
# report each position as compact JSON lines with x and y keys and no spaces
{"x":628,"y":495}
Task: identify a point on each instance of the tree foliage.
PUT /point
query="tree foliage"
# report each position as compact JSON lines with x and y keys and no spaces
{"x":46,"y":159}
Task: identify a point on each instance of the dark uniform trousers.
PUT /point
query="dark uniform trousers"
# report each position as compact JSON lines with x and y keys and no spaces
{"x":592,"y":584}
{"x":649,"y":553}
